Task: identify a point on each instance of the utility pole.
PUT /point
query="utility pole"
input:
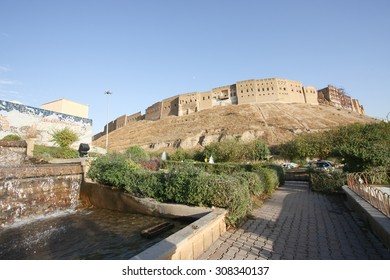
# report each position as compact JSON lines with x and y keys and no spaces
{"x":108,"y":93}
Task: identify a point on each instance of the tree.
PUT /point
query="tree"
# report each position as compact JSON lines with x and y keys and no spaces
{"x":256,"y":150}
{"x":364,"y":146}
{"x":137,"y":154}
{"x":360,"y":146}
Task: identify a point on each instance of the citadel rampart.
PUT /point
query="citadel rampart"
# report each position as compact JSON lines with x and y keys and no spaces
{"x":270,"y":90}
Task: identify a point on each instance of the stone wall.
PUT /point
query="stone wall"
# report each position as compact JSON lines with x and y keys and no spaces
{"x":12,"y":152}
{"x":19,"y":119}
{"x":153,"y":112}
{"x":254,"y":91}
{"x":170,"y":107}
{"x":311,"y":96}
{"x":188,"y":103}
{"x":356,"y":107}
{"x":31,"y":190}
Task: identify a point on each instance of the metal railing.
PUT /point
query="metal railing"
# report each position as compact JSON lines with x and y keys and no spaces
{"x":367,"y":186}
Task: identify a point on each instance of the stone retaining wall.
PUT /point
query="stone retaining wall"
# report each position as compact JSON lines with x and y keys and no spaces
{"x":31,"y":190}
{"x":12,"y":152}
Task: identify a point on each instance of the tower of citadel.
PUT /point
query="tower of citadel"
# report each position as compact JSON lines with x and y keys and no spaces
{"x":270,"y":90}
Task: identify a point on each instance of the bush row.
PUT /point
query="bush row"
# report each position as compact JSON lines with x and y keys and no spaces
{"x":228,"y":150}
{"x":229,"y":168}
{"x":325,"y":182}
{"x":188,"y":184}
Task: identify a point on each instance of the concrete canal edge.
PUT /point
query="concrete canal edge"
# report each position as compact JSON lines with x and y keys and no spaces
{"x":186,"y":244}
{"x":377,"y":221}
{"x":190,"y":242}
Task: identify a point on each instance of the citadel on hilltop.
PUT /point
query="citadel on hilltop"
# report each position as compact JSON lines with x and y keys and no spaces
{"x":271,"y":90}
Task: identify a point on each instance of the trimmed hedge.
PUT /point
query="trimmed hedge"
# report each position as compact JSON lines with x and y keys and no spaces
{"x":186,"y":183}
{"x":113,"y":170}
{"x":325,"y":182}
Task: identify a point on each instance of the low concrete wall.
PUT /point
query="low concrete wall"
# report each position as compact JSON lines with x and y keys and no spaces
{"x":106,"y":197}
{"x":30,"y":190}
{"x":294,"y":175}
{"x":378,"y":222}
{"x":190,"y":242}
{"x":186,"y":244}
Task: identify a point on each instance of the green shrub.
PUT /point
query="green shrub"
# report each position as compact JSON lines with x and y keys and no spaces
{"x":44,"y":152}
{"x":180,"y":155}
{"x":179,"y":181}
{"x":64,"y":137}
{"x":66,"y":152}
{"x":199,"y":193}
{"x":12,"y":137}
{"x":364,"y":146}
{"x":327,"y":182}
{"x":217,"y":168}
{"x":255,"y":151}
{"x":143,"y":183}
{"x":361,"y":147}
{"x":227,"y":192}
{"x":112,"y":169}
{"x":137,"y":154}
{"x":152,"y":165}
{"x":252,"y":180}
{"x":188,"y":184}
{"x":232,"y":150}
{"x":279,"y":171}
{"x":271,"y":179}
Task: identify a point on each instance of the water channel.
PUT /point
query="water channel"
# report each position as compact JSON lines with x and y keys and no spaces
{"x":95,"y":234}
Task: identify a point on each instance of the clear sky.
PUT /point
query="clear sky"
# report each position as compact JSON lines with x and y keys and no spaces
{"x":145,"y":51}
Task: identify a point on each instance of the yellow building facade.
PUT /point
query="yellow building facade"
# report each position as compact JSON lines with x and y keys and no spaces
{"x":68,"y":107}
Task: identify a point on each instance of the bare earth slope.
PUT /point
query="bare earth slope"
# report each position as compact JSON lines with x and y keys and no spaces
{"x":272,"y":122}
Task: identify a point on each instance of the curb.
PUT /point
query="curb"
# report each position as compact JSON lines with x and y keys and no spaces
{"x":377,"y":222}
{"x":190,"y":242}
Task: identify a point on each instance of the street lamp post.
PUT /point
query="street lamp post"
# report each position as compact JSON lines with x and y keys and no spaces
{"x":108,"y":93}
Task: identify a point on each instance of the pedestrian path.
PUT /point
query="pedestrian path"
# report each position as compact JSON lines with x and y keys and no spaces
{"x":297,"y":223}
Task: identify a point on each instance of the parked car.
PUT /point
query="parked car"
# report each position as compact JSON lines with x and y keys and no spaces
{"x":323,"y":165}
{"x":289,"y":165}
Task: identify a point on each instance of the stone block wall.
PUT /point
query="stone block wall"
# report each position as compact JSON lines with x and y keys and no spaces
{"x":12,"y":152}
{"x":31,"y":190}
{"x":153,"y":112}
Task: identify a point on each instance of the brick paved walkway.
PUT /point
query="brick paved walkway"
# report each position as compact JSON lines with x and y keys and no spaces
{"x":297,"y":223}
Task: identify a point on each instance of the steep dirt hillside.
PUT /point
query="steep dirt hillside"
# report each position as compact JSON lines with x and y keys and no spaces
{"x":273,"y":122}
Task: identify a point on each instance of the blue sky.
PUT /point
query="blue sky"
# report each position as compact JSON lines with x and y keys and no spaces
{"x":145,"y":51}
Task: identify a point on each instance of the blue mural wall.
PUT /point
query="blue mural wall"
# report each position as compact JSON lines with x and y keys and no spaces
{"x":22,"y":120}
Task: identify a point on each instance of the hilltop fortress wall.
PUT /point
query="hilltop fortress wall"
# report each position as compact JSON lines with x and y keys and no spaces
{"x":270,"y":90}
{"x":243,"y":92}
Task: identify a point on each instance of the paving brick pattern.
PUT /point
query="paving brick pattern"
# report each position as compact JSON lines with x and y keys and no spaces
{"x":299,"y":224}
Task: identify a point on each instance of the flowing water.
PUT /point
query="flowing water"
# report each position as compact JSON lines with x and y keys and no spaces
{"x":95,"y":234}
